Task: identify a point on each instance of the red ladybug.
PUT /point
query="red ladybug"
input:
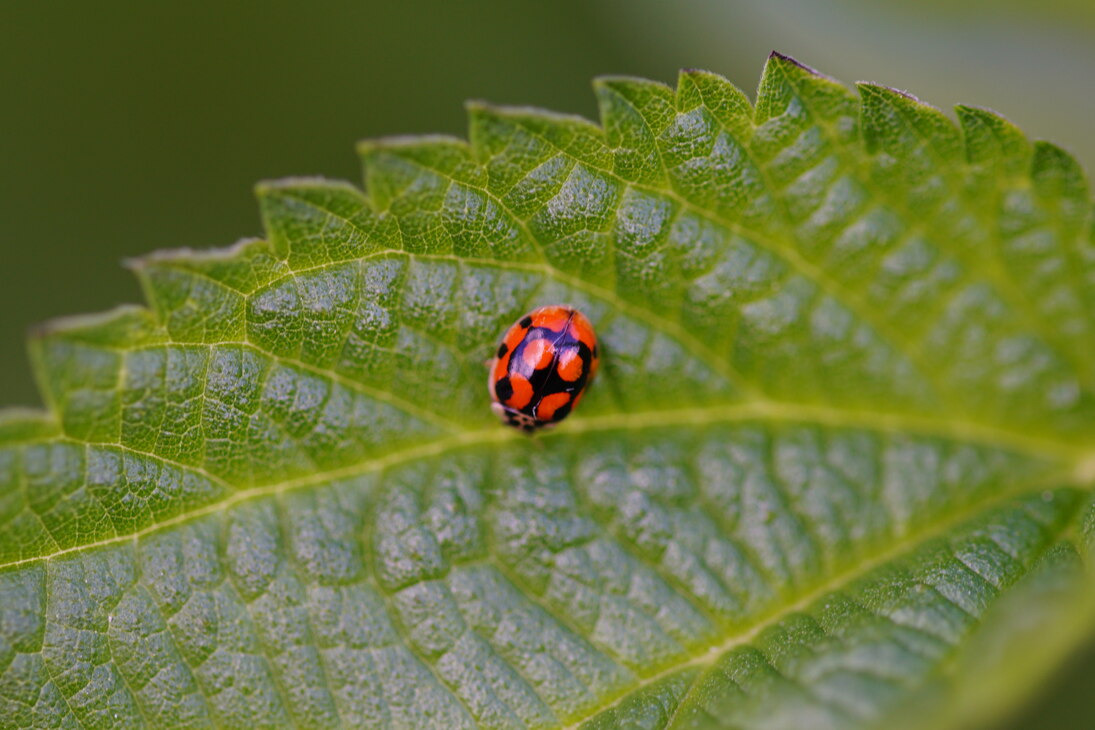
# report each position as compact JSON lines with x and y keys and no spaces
{"x":542,"y":368}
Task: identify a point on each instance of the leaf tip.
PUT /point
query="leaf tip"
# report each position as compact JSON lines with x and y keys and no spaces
{"x":982,"y":112}
{"x":781,"y":67}
{"x":700,"y":74}
{"x":485,"y":109}
{"x":782,"y":59}
{"x":480,"y":109}
{"x":277,"y":186}
{"x":19,"y":424}
{"x":875,"y":93}
{"x":79,"y":322}
{"x":617,"y":83}
{"x":1047,"y":149}
{"x":475,"y":106}
{"x":373,"y":145}
{"x":138,"y":264}
{"x":366,"y":147}
{"x":871,"y":89}
{"x":1055,"y":167}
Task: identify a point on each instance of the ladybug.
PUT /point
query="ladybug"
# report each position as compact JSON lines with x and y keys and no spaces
{"x":542,"y":368}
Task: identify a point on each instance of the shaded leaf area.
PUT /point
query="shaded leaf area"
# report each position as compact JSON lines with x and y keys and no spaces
{"x":844,"y":421}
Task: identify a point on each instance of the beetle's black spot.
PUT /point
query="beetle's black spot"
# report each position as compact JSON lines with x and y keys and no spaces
{"x":526,"y":322}
{"x":587,"y":356}
{"x":503,"y":389}
{"x":539,"y":378}
{"x":562,"y":411}
{"x":502,"y":350}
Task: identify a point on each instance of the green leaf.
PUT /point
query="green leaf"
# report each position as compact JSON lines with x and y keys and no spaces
{"x":835,"y":471}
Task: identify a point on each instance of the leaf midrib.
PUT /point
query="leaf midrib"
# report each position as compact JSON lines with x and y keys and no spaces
{"x":1074,"y":464}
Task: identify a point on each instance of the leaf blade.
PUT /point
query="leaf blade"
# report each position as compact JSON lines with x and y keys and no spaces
{"x":826,"y":442}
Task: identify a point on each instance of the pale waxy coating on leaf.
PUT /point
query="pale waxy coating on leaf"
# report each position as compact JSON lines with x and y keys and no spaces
{"x":836,"y":463}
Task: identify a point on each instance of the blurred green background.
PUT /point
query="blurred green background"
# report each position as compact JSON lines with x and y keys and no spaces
{"x":133,"y":126}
